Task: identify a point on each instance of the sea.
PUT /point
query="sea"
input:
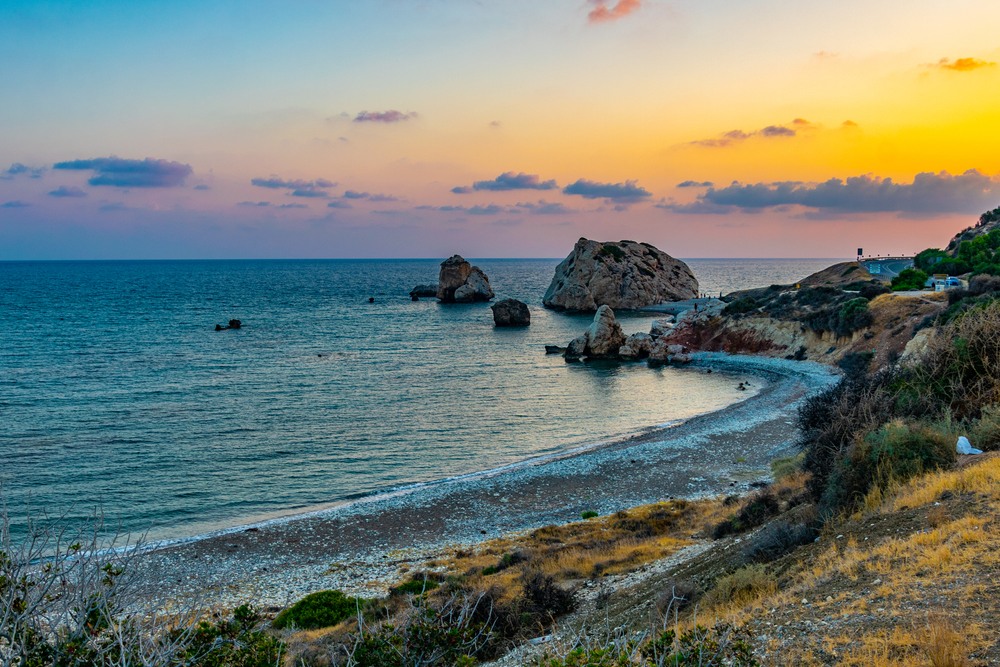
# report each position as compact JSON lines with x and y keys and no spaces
{"x":119,"y":399}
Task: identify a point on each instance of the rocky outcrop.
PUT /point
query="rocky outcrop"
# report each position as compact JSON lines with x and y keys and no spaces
{"x":233,"y":324}
{"x":602,"y":339}
{"x":511,"y":313}
{"x":430,"y":289}
{"x":623,"y":275}
{"x":460,"y":282}
{"x":636,"y":346}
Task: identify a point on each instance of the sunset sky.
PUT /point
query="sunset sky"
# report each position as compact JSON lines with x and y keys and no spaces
{"x":422,"y":128}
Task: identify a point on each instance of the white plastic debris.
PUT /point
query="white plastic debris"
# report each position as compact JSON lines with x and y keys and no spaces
{"x":963,"y":446}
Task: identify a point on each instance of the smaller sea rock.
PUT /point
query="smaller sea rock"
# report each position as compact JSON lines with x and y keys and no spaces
{"x":637,"y":346}
{"x":511,"y":313}
{"x":576,"y":348}
{"x":424,"y":290}
{"x":554,"y":349}
{"x":460,"y":282}
{"x":605,"y":335}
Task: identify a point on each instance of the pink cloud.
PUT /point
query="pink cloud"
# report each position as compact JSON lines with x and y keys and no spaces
{"x":604,"y":11}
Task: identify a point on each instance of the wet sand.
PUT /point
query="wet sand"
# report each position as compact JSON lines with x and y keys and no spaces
{"x":361,"y":547}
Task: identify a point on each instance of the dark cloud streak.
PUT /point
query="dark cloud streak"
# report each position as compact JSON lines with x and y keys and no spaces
{"x":119,"y":172}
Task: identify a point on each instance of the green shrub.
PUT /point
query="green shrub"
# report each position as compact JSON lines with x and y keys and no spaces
{"x":589,"y":514}
{"x":237,"y":641}
{"x":786,"y":467}
{"x":895,"y":452}
{"x":758,"y":508}
{"x":741,"y":306}
{"x":909,"y":279}
{"x":612,"y":251}
{"x":446,"y":635}
{"x":318,"y":610}
{"x":984,"y":433}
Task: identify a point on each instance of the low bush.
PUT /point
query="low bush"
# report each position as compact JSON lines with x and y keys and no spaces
{"x":757,"y":509}
{"x":318,"y":610}
{"x":235,"y":641}
{"x":678,"y":594}
{"x":776,"y":540}
{"x":546,"y":599}
{"x":445,"y":634}
{"x":909,"y":279}
{"x":742,"y":587}
{"x":417,"y":585}
{"x":984,"y":433}
{"x":589,"y":514}
{"x":892,"y":453}
{"x":785,"y":467}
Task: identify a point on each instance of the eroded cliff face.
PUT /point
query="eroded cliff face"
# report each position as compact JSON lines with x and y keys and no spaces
{"x":891,"y":323}
{"x":623,"y":275}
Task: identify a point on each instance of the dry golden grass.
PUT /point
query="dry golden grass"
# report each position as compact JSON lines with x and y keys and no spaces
{"x":982,"y":477}
{"x":604,"y":545}
{"x":907,"y":551}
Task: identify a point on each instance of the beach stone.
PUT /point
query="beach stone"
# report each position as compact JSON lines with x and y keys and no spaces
{"x":430,"y":289}
{"x":622,"y":274}
{"x":511,"y":313}
{"x":637,"y":346}
{"x":461,"y":282}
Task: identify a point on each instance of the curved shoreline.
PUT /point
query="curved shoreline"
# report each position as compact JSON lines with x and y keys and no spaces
{"x":359,"y":545}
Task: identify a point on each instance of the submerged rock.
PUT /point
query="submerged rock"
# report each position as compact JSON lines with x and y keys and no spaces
{"x":233,"y":324}
{"x":511,"y":313}
{"x":622,"y":274}
{"x":461,"y":282}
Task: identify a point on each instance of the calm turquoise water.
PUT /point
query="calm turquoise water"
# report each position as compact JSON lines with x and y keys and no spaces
{"x":117,"y":394}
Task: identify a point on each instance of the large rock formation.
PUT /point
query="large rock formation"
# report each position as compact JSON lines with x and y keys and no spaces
{"x":461,"y":282}
{"x":602,"y":339}
{"x":624,"y":275}
{"x":511,"y":313}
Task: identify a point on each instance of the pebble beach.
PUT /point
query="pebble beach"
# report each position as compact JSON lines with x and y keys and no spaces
{"x":362,"y":547}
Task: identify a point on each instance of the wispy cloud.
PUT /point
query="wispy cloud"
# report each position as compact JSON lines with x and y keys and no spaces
{"x":620,"y":193}
{"x":695,"y":184}
{"x":963,"y":64}
{"x":337,"y":203}
{"x":542,"y":207}
{"x":508,"y":181}
{"x":67,"y":191}
{"x":15,"y":203}
{"x":276,"y":183}
{"x":769,"y":132}
{"x":374,"y":197}
{"x":18,"y":169}
{"x":309,"y":192}
{"x":124,"y":173}
{"x":267,"y":204}
{"x":390,"y":116}
{"x":928,"y":194}
{"x":609,"y":10}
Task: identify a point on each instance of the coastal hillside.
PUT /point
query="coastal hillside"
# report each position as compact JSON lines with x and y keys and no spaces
{"x":829,"y":317}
